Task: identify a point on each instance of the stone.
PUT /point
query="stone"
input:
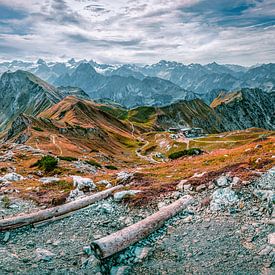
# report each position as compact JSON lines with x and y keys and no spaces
{"x":120,"y":270}
{"x":6,"y":237}
{"x":103,"y":182}
{"x":258,"y":146}
{"x":109,"y":185}
{"x":119,"y":196}
{"x":181,"y":186}
{"x":87,"y":250}
{"x":124,"y":177}
{"x":11,"y":177}
{"x":265,"y":250}
{"x":222,"y":181}
{"x":235,"y":182}
{"x":92,"y":264}
{"x":83,"y":184}
{"x":84,"y":167}
{"x":271,"y":239}
{"x":201,"y":188}
{"x":44,"y":255}
{"x":141,"y":253}
{"x":223,"y":198}
{"x":75,"y":194}
{"x":105,"y":208}
{"x":49,"y":179}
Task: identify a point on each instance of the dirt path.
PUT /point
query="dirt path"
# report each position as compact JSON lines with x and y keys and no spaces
{"x":56,"y":145}
{"x":147,"y":158}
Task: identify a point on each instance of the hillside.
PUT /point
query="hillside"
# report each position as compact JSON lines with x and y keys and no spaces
{"x":23,"y":92}
{"x":76,"y":127}
{"x":245,"y":109}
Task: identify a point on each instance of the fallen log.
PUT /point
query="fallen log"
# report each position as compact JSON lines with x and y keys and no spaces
{"x":125,"y":237}
{"x":52,"y":213}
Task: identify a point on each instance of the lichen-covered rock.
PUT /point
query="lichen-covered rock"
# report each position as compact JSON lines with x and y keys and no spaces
{"x":119,"y":196}
{"x":49,"y":179}
{"x":11,"y":177}
{"x":124,"y":177}
{"x":223,"y":198}
{"x":83,"y":184}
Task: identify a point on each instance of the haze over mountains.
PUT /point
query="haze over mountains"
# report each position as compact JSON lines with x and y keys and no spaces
{"x":159,"y":84}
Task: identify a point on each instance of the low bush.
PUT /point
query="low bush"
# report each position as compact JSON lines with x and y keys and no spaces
{"x":58,"y":185}
{"x":67,"y":158}
{"x":6,"y":202}
{"x":93,"y":163}
{"x":46,"y":163}
{"x":37,"y":129}
{"x":111,"y":167}
{"x":187,"y":152}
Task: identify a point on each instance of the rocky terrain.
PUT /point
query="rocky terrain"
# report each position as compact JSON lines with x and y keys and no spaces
{"x":226,"y":229}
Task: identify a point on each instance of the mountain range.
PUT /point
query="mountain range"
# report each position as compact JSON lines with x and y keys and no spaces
{"x":158,"y":84}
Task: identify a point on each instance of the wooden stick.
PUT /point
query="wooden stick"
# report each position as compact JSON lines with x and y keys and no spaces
{"x":43,"y":215}
{"x":122,"y":239}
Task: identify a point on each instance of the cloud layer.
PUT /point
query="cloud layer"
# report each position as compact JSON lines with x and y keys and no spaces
{"x":139,"y":31}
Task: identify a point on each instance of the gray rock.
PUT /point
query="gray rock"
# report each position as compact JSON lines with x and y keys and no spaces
{"x":11,"y":177}
{"x":49,"y":179}
{"x":44,"y":255}
{"x":141,"y":253}
{"x":84,"y":167}
{"x":183,"y":186}
{"x":83,"y":184}
{"x":92,"y":265}
{"x":124,"y":177}
{"x":74,"y":194}
{"x":120,"y":270}
{"x":87,"y":250}
{"x":222,"y":181}
{"x":119,"y":196}
{"x":223,"y":198}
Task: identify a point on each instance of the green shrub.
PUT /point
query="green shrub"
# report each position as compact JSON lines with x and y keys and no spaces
{"x":187,"y":152}
{"x":58,"y":185}
{"x":111,"y":167}
{"x":93,"y":163}
{"x":66,"y":158}
{"x":37,"y":129}
{"x":46,"y":163}
{"x":6,"y":202}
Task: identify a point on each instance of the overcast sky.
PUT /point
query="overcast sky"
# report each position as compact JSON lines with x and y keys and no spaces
{"x":139,"y":31}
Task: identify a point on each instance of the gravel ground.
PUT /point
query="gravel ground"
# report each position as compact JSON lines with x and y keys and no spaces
{"x":197,"y":241}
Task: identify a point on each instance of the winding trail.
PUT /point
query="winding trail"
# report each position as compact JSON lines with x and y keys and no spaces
{"x":56,"y":145}
{"x":147,"y":158}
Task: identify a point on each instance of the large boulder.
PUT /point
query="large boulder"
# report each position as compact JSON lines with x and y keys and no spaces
{"x":124,"y":177}
{"x":11,"y":177}
{"x":223,"y":198}
{"x":119,"y":196}
{"x":83,"y":184}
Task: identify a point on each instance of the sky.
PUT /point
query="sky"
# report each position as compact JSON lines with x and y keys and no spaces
{"x":139,"y":31}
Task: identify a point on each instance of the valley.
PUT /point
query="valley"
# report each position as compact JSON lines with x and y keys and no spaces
{"x":76,"y":170}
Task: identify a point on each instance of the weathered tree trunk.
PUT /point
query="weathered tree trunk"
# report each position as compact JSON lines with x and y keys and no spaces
{"x":51,"y":213}
{"x":121,"y":239}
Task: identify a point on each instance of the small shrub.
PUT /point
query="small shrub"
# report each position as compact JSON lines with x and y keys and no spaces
{"x":187,"y":152}
{"x":46,"y":163}
{"x":37,"y":129}
{"x":93,"y":163}
{"x":58,"y":185}
{"x":67,"y":158}
{"x":6,"y":202}
{"x":111,"y":167}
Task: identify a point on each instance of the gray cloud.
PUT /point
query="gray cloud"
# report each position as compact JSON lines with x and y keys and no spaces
{"x":189,"y":31}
